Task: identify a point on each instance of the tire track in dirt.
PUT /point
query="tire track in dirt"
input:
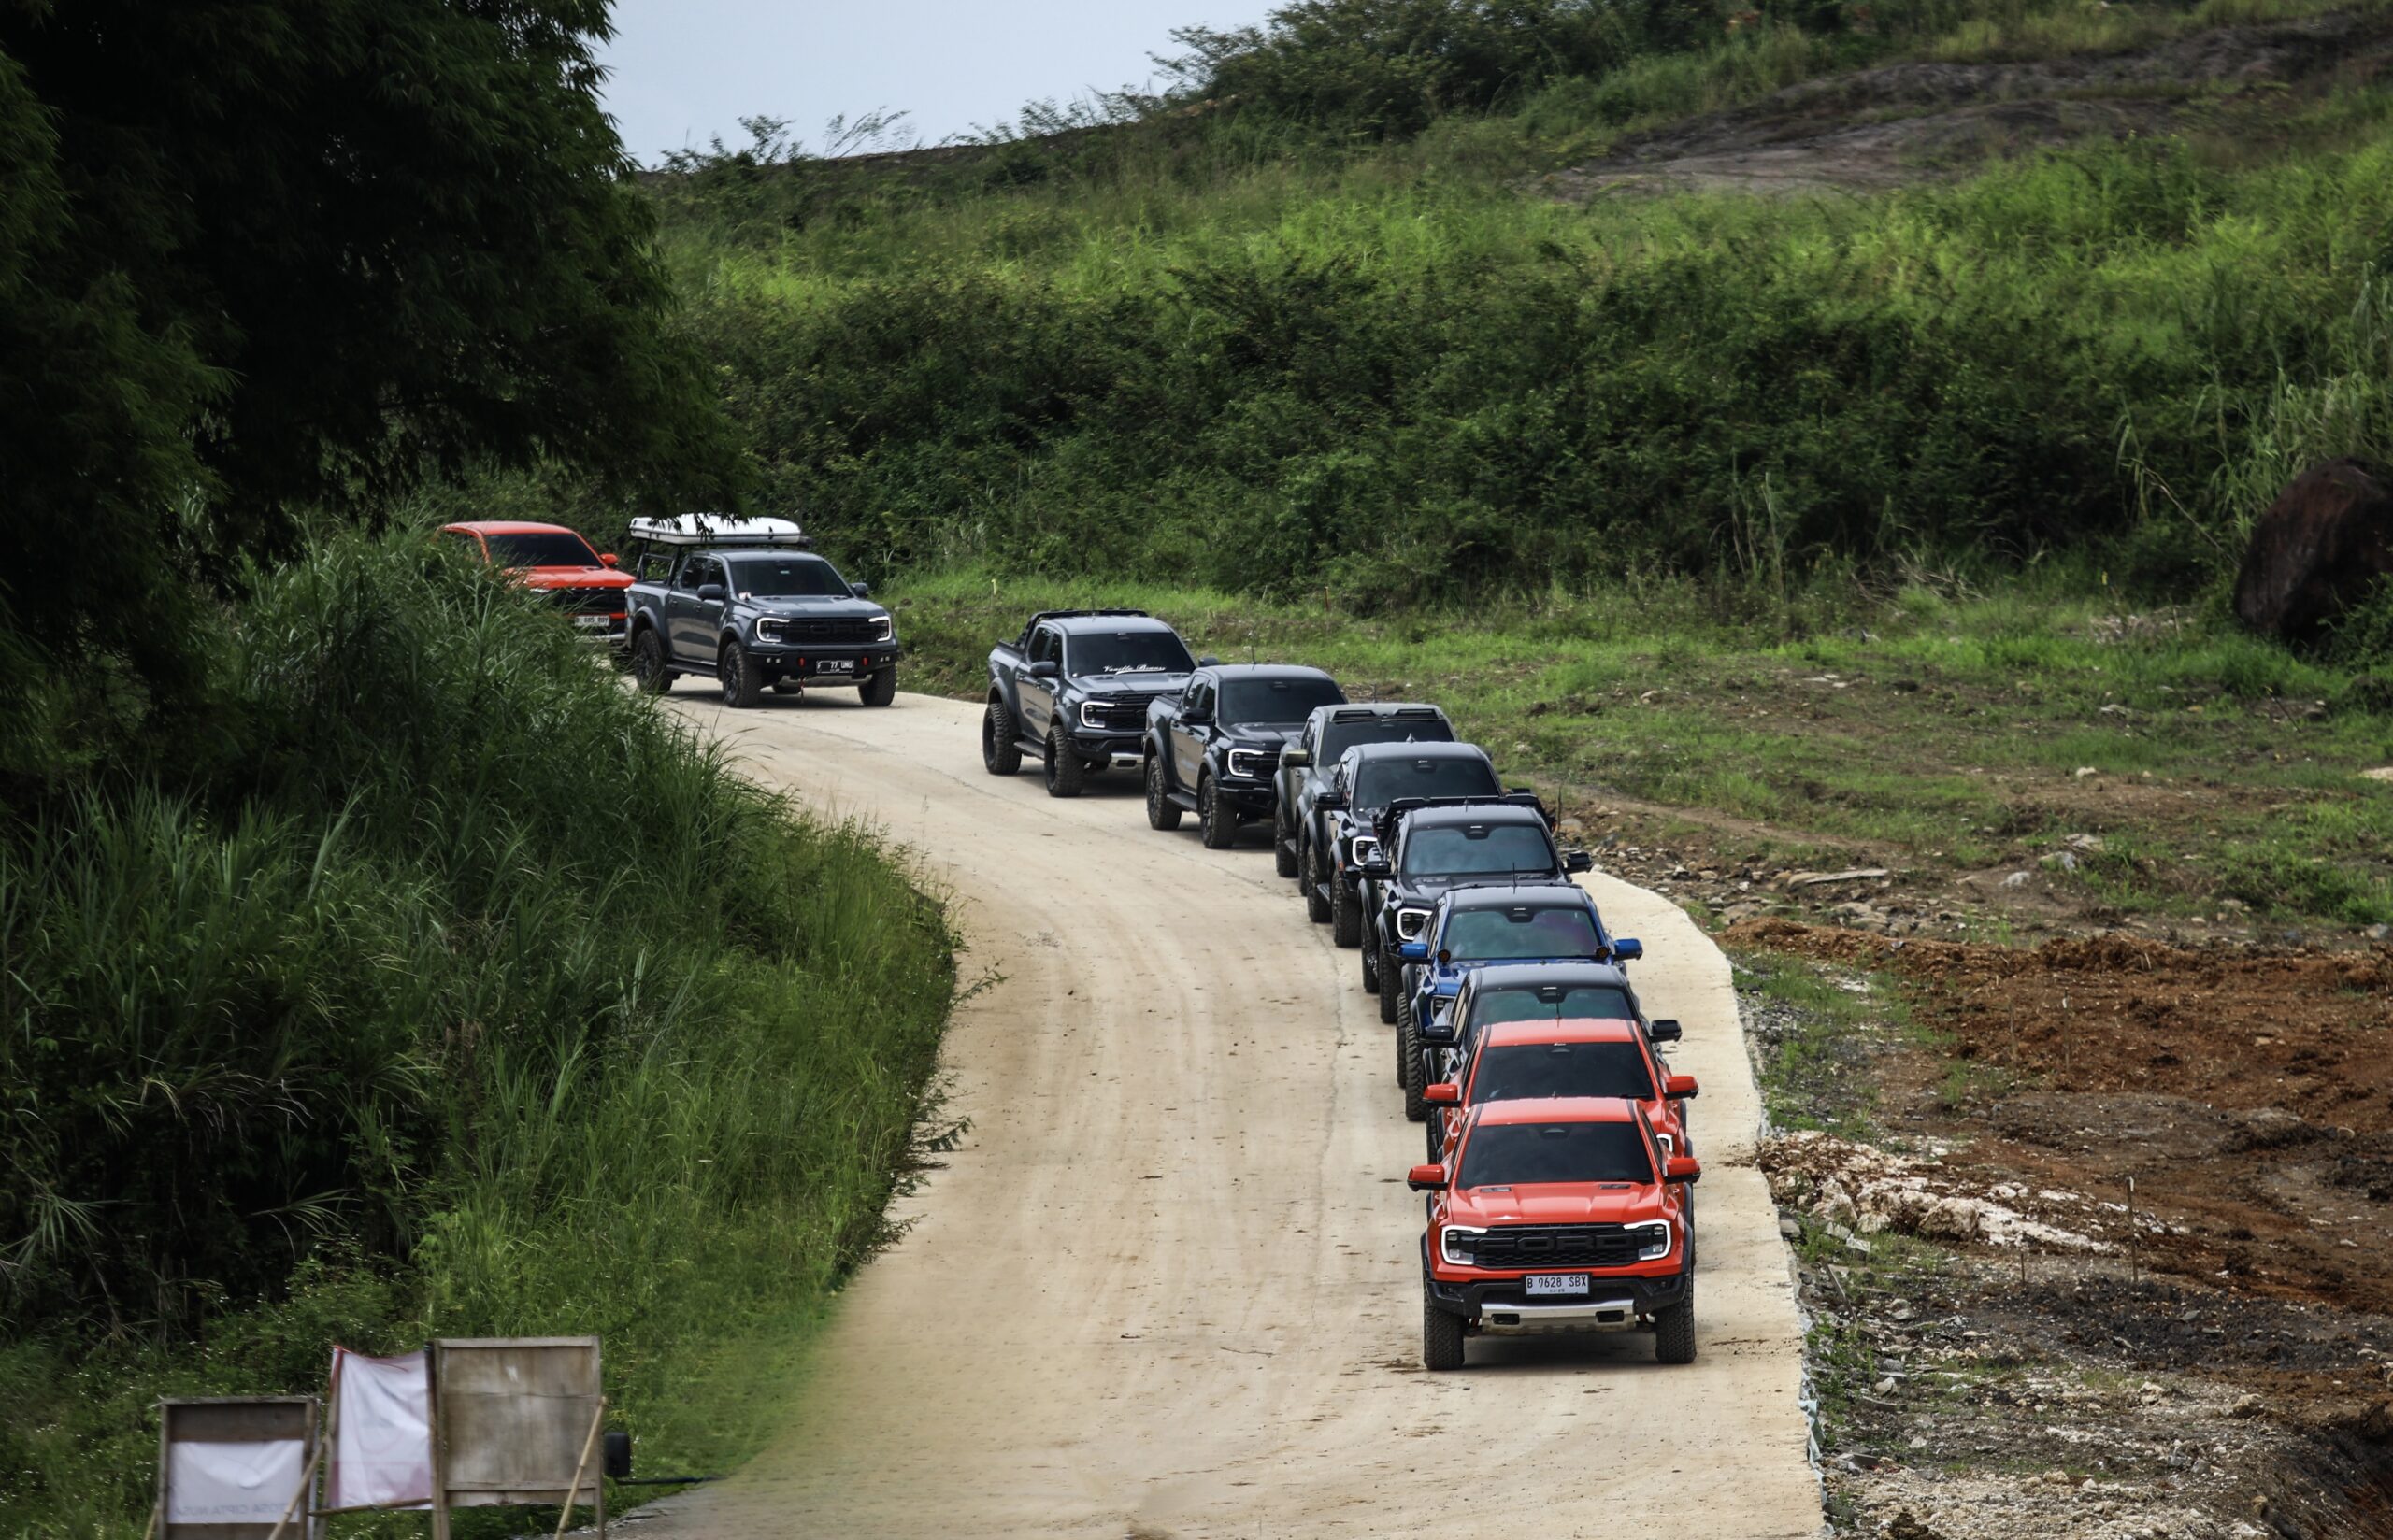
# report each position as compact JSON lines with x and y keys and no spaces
{"x":1168,"y":1286}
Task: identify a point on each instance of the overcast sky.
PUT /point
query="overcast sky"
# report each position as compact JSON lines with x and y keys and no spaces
{"x":686,"y":70}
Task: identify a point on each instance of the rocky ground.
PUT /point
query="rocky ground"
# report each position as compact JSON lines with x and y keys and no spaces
{"x":2010,"y":1339}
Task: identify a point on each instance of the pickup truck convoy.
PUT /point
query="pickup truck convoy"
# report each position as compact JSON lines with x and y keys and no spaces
{"x":1561,"y":1161}
{"x":1560,"y":1215}
{"x":1307,"y":764}
{"x":1073,"y":689}
{"x":747,"y":602}
{"x":1370,"y":778}
{"x":1213,"y":748}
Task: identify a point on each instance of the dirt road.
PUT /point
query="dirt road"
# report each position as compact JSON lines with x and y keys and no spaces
{"x":1168,"y":1286}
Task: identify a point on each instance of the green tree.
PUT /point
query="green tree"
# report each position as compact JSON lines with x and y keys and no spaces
{"x":263,"y":255}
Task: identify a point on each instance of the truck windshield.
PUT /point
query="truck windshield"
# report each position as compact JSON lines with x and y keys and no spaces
{"x":1516,"y":1070}
{"x":1478,"y":851}
{"x":1339,"y":737}
{"x":787,"y":578}
{"x":1275,"y":702}
{"x":1496,"y":935}
{"x":541,"y":548}
{"x":1384,"y":778}
{"x":1553,"y":1003}
{"x":1526,"y":1154}
{"x":1127,"y":652}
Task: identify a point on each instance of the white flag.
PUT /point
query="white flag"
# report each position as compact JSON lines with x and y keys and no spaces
{"x":381,"y":1453}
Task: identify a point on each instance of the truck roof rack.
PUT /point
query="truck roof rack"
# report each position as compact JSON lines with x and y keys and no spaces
{"x":716,"y":528}
{"x":1372,"y":712}
{"x":1396,"y":811}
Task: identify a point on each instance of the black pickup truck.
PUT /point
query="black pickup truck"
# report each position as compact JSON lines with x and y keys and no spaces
{"x":1368,"y":777}
{"x":1306,"y":764}
{"x":1073,"y":689}
{"x":1215,"y":748}
{"x":1428,"y":847}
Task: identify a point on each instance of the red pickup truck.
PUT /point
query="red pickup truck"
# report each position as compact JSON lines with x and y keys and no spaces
{"x":551,"y":559}
{"x":1561,"y":1215}
{"x":1516,"y":1061}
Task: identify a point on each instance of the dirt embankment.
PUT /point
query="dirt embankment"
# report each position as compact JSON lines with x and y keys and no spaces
{"x":2017,"y":1337}
{"x":1880,"y":128}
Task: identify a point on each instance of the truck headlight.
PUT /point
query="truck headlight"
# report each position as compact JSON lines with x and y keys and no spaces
{"x":883,"y":629}
{"x":1364,"y":850}
{"x":768,"y":629}
{"x":1410,"y":923}
{"x":1656,"y":1239}
{"x":1252,"y":763}
{"x":1088,"y":715}
{"x":1459,"y":1245}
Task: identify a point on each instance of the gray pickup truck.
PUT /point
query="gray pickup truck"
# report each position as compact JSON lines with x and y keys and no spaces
{"x":1073,"y":690}
{"x":746,"y":602}
{"x":1306,"y":764}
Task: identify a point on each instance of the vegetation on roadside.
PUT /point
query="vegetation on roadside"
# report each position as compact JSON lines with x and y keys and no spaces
{"x":449,"y":988}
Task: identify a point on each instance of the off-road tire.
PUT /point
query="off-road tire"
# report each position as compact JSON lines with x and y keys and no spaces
{"x":1345,"y":915}
{"x":1162,"y":812}
{"x":999,"y":754}
{"x":650,"y":670}
{"x":1409,"y":1072}
{"x":1391,"y":985}
{"x":742,"y":686}
{"x":1674,"y":1330}
{"x":1218,"y":825}
{"x":880,"y":689}
{"x":1435,"y":1129}
{"x":1441,"y":1340}
{"x":1066,"y":774}
{"x":1371,"y":964}
{"x":1316,"y":904}
{"x":1283,"y":855}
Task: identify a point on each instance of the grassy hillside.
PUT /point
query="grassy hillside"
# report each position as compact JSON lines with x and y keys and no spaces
{"x":436,"y":986}
{"x":1246,"y":352}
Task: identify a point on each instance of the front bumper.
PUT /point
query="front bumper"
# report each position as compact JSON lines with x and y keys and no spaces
{"x":834,"y":663}
{"x":1122,"y":751}
{"x":1252,"y":798}
{"x":1615,"y":1302}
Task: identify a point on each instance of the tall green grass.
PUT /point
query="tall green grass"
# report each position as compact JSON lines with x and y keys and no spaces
{"x":449,"y":988}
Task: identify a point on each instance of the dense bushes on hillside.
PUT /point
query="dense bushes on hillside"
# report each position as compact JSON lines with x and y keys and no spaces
{"x":1410,"y":389}
{"x":449,"y":967}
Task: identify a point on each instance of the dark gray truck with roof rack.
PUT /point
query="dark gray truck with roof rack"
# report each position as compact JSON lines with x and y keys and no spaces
{"x":1073,"y":690}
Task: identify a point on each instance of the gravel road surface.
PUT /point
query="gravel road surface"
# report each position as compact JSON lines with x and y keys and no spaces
{"x":1169,"y":1286}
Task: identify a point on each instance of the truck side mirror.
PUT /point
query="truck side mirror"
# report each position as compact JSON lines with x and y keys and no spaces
{"x":1665,"y":1030}
{"x":1294,"y":759}
{"x":1444,"y":1094}
{"x":607,"y":558}
{"x":1576,"y":862}
{"x":862,"y":590}
{"x":713,"y":592}
{"x":1430,"y":1178}
{"x":1328,"y":802}
{"x":1045,"y":668}
{"x":1413,"y":952}
{"x":1678,"y":1088}
{"x":1209,"y":660}
{"x":1682,"y":1168}
{"x":1375,"y":871}
{"x":1626,"y":949}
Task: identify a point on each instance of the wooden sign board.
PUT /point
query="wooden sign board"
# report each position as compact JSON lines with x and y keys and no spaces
{"x":230,"y":1466}
{"x":515,"y":1420}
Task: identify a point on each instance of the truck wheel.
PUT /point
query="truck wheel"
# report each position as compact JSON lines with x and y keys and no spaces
{"x":649,"y":669}
{"x":1391,"y":987}
{"x":1064,"y":772}
{"x":1316,"y":906}
{"x":881,"y":688}
{"x":1674,"y":1330}
{"x":1371,"y":965}
{"x":1162,"y":812}
{"x":1440,"y":1339}
{"x":1215,"y":823}
{"x":1409,"y":1072}
{"x":1345,"y":915}
{"x":741,"y":684}
{"x":999,"y":754}
{"x":1283,"y":855}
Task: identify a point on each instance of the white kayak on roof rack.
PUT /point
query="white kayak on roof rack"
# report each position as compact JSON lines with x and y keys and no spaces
{"x":717,"y":529}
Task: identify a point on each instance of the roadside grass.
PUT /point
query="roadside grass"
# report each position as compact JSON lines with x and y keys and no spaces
{"x":1931,"y":729}
{"x":440,"y":987}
